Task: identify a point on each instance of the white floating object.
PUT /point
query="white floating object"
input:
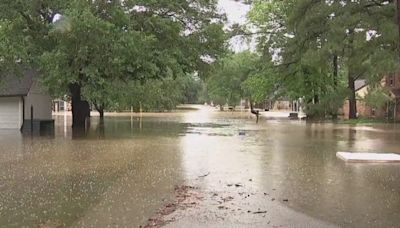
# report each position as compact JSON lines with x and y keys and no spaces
{"x":368,"y":157}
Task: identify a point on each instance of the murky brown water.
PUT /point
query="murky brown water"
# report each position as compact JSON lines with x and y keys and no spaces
{"x":122,"y":174}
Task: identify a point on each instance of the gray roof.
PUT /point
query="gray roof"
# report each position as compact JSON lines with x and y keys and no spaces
{"x":14,"y":85}
{"x":359,"y":84}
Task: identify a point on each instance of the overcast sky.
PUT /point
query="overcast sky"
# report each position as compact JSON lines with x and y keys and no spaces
{"x":236,"y":13}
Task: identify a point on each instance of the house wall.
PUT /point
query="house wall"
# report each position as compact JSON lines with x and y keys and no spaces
{"x":61,"y":106}
{"x":41,"y":104}
{"x":397,"y":115}
{"x":363,"y":110}
{"x":11,"y":112}
{"x":362,"y":92}
{"x":392,"y":81}
{"x":282,"y":105}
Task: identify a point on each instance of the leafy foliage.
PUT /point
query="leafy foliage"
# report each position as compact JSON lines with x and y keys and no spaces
{"x":154,"y":94}
{"x":228,"y":75}
{"x":321,"y":47}
{"x":377,"y":97}
{"x":97,"y":43}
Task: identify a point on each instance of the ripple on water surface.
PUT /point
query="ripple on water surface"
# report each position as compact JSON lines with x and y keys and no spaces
{"x":122,"y":172}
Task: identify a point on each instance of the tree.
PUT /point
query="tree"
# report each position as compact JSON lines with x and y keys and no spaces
{"x":97,"y":42}
{"x":153,"y":95}
{"x":259,"y":86}
{"x":227,"y":75}
{"x":320,"y":45}
{"x":193,"y":87}
{"x":377,"y":97}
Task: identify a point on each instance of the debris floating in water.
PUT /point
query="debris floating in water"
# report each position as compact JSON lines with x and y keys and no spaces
{"x":259,"y":212}
{"x":205,"y":175}
{"x":368,"y":157}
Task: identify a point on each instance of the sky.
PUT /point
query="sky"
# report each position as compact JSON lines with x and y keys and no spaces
{"x":236,"y":13}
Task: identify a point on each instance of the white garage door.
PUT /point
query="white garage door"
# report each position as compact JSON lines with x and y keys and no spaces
{"x":10,"y":113}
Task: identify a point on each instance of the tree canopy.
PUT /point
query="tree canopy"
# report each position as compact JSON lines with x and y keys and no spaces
{"x":318,"y":49}
{"x":94,"y":43}
{"x":227,"y":75}
{"x":240,"y":76}
{"x":309,"y":49}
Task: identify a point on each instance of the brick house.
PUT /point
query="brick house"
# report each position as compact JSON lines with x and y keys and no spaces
{"x":391,"y":110}
{"x":392,"y":82}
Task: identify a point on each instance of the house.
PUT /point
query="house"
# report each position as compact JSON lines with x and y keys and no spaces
{"x":61,"y":106}
{"x":390,"y":110}
{"x":392,"y":83}
{"x":282,"y":105}
{"x":23,"y":105}
{"x":361,"y":89}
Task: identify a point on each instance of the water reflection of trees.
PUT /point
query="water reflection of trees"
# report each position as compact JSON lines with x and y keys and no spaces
{"x":128,"y":127}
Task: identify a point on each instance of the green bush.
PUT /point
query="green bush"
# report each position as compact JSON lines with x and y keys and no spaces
{"x":328,"y":105}
{"x":377,"y":97}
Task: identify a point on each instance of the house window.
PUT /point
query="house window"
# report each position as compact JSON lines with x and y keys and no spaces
{"x":61,"y":103}
{"x":391,"y":82}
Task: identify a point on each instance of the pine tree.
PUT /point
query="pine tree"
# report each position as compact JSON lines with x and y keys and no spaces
{"x":319,"y":41}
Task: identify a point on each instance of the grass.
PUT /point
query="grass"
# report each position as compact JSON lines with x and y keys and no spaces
{"x":365,"y":121}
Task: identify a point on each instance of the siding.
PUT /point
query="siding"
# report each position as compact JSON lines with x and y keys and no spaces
{"x":10,"y":113}
{"x":41,"y":104}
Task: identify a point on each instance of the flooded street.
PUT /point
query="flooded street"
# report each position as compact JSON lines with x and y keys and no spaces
{"x":277,"y":173}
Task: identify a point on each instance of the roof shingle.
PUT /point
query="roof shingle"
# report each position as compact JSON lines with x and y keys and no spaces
{"x":359,"y":84}
{"x":17,"y":85}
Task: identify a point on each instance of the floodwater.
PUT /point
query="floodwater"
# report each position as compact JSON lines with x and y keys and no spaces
{"x":119,"y":175}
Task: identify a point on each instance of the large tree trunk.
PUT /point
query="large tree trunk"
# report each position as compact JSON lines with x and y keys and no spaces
{"x":101,"y":112}
{"x":351,"y":80}
{"x":80,"y":108}
{"x":316,"y":98}
{"x":335,"y":71}
{"x":335,"y":79}
{"x":100,"y":109}
{"x":352,"y":98}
